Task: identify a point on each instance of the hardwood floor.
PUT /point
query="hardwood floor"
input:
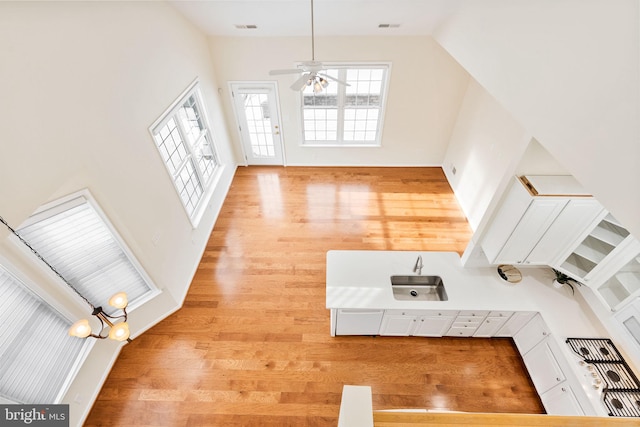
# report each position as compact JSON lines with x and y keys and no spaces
{"x":251,"y":345}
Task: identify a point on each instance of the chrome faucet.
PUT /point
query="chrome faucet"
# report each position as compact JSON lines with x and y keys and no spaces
{"x":418,"y":267}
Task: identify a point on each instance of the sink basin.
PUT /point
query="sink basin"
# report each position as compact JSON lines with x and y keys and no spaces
{"x":418,"y":288}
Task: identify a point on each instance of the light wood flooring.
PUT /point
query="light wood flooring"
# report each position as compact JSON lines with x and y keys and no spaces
{"x":251,"y":345}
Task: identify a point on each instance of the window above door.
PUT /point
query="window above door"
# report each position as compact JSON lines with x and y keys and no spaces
{"x":343,"y":115}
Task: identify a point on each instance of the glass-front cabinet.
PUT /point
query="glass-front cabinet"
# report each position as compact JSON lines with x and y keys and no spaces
{"x":607,"y":259}
{"x":600,"y":243}
{"x":623,"y":284}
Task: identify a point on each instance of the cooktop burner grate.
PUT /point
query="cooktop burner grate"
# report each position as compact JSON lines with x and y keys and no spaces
{"x":623,"y":404}
{"x":595,"y":349}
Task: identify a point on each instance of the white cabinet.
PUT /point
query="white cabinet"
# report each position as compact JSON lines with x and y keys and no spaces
{"x":492,"y":324}
{"x":398,"y":323}
{"x":553,"y":378}
{"x":358,"y":322}
{"x":435,"y":324}
{"x":466,"y":323}
{"x":424,"y":323}
{"x":607,"y":258}
{"x":534,"y":229}
{"x":576,"y":217}
{"x":561,"y":400}
{"x":544,"y":369}
{"x":515,"y":323}
{"x":531,"y":334}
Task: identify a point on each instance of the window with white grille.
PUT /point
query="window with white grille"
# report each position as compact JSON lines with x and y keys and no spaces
{"x":186,"y":146}
{"x":346,"y":115}
{"x":37,"y":355}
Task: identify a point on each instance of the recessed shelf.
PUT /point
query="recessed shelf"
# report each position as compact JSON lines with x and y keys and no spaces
{"x":578,"y":266}
{"x":609,"y":233}
{"x":593,"y":249}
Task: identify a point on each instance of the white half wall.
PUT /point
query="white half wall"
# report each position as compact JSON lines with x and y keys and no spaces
{"x":81,"y":84}
{"x":569,"y":72}
{"x":425,"y":92}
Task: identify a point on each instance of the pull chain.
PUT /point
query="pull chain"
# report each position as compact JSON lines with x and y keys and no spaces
{"x":15,"y":233}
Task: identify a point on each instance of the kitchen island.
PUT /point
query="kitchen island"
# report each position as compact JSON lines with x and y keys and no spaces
{"x":358,"y":282}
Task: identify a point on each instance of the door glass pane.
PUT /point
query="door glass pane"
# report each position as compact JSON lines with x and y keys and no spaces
{"x":258,"y":115}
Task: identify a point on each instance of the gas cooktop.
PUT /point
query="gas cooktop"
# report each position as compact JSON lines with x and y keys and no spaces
{"x":620,"y":386}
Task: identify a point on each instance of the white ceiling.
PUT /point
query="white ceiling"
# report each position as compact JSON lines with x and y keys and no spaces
{"x":331,"y":17}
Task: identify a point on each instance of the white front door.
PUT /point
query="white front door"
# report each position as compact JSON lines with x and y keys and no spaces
{"x":256,"y":108}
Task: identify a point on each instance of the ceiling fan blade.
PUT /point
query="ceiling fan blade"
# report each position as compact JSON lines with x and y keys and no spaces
{"x":291,"y":71}
{"x":334,"y":79}
{"x":301,"y":82}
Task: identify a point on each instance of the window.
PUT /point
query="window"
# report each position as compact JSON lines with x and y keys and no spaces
{"x":185,"y":143}
{"x":346,"y":115}
{"x":78,"y":242}
{"x":37,"y":355}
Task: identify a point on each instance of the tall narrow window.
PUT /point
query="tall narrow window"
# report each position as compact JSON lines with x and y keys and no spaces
{"x":75,"y":239}
{"x":346,"y":115}
{"x":185,"y":143}
{"x":37,"y":355}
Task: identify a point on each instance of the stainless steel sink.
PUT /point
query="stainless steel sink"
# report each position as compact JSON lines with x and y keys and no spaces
{"x":418,"y":288}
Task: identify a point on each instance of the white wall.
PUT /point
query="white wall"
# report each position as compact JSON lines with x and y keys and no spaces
{"x":485,"y":146}
{"x":425,"y":92}
{"x":569,"y":72}
{"x":81,"y":84}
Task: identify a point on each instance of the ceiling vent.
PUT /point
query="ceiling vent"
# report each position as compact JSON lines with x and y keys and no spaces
{"x":246,"y":27}
{"x":388,"y":25}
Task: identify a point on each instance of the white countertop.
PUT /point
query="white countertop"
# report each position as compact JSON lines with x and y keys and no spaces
{"x":361,"y":279}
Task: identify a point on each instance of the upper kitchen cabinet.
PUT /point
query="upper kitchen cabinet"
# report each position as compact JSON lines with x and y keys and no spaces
{"x":539,"y":219}
{"x":607,"y":259}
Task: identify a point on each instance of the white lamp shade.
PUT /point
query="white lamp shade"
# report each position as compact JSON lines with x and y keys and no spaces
{"x":80,"y":329}
{"x":119,"y":331}
{"x":119,"y":300}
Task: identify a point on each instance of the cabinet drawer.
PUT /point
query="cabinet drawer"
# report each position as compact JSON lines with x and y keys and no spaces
{"x":473,"y":325}
{"x":469,"y":319}
{"x":455,"y":331}
{"x":500,"y":313}
{"x":444,"y":313}
{"x":395,"y":312}
{"x":473,"y":313}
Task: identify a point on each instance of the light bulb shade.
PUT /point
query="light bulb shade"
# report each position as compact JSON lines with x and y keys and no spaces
{"x":119,"y":331}
{"x":80,"y":329}
{"x":324,"y":82}
{"x":317,"y":87}
{"x":119,"y":300}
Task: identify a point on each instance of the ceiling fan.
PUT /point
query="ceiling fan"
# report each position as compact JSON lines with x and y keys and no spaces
{"x":311,"y":70}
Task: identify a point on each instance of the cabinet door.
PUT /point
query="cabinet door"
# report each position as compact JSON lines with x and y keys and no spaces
{"x":543,"y":368}
{"x":398,"y":324}
{"x":560,"y":400}
{"x":433,"y":326}
{"x":533,"y":225}
{"x":531,"y":334}
{"x":490,"y":326}
{"x":512,"y":208}
{"x":573,"y":221}
{"x":515,"y":323}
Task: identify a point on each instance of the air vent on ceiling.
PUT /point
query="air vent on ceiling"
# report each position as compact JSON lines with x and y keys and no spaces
{"x":246,"y":27}
{"x":388,"y":25}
